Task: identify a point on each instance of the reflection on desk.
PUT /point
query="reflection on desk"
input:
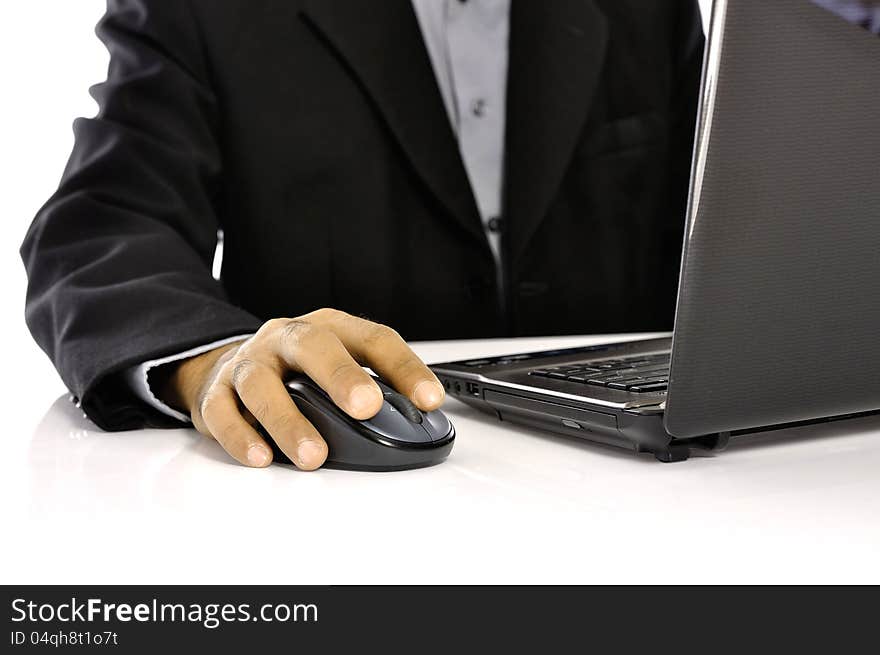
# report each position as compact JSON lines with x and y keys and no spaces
{"x":511,"y":504}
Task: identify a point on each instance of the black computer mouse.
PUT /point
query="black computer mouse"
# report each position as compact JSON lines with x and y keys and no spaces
{"x":400,"y":436}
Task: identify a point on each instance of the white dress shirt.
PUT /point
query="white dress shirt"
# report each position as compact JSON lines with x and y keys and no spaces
{"x":859,"y":12}
{"x":466,"y":42}
{"x":467,"y":45}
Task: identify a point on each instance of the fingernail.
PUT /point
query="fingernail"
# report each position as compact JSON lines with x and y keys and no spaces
{"x":310,"y":453}
{"x":257,"y":455}
{"x":364,"y":399}
{"x":428,"y":393}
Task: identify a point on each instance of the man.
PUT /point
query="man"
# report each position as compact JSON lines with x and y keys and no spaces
{"x":451,"y":168}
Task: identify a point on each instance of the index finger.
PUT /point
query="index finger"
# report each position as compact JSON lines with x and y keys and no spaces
{"x":385,"y":351}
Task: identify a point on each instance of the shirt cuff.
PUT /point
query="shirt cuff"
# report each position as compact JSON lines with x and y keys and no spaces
{"x":138,"y":381}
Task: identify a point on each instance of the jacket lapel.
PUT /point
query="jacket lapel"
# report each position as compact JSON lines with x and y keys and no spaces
{"x":381,"y":43}
{"x":557,"y":51}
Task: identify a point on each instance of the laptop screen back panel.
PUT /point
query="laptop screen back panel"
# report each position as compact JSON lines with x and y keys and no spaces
{"x":778,"y":312}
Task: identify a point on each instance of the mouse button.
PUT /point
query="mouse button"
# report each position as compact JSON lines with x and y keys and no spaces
{"x":392,"y":424}
{"x":305,"y":386}
{"x":381,"y":384}
{"x":437,"y":425}
{"x":345,"y":445}
{"x":403,"y":405}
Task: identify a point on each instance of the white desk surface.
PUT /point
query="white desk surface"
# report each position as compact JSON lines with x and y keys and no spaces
{"x":511,"y":504}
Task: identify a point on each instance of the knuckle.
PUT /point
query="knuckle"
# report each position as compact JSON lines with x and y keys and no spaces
{"x":296,"y":330}
{"x":344,"y":370}
{"x":285,"y":421}
{"x":208,"y":405}
{"x":242,"y":370}
{"x":262,"y":411}
{"x":272,"y":325}
{"x":405,"y":365}
{"x":247,"y":349}
{"x":379,"y":333}
{"x":224,"y":374}
{"x":327,"y":314}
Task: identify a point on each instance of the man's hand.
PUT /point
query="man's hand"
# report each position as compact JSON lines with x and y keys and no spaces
{"x":225,"y":389}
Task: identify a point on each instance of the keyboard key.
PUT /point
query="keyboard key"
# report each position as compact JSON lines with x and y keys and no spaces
{"x":604,"y":381}
{"x":628,"y":373}
{"x":580,"y":370}
{"x":630,"y":382}
{"x":627,"y":382}
{"x":655,"y":386}
{"x":642,"y":372}
{"x":652,"y":380}
{"x":643,"y":383}
{"x":653,"y":370}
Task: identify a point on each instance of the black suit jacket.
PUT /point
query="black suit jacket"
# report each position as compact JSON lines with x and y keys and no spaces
{"x":312,"y":132}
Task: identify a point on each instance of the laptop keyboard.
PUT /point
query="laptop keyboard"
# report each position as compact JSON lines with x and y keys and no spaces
{"x":636,"y":374}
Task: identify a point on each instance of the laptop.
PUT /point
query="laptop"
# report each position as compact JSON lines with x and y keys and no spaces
{"x":778,"y":313}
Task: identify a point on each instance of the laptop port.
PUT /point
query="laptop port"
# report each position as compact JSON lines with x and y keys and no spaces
{"x":473,"y":388}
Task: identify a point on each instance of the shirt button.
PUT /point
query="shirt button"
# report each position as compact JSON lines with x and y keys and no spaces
{"x":494,"y":224}
{"x":478,"y":107}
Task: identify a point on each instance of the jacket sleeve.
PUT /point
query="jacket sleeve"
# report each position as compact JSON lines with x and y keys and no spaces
{"x":118,"y":260}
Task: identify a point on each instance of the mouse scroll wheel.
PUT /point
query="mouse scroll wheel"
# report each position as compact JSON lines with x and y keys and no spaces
{"x":403,"y":405}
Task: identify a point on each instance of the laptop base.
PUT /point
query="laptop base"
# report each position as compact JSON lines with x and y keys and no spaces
{"x":636,"y":429}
